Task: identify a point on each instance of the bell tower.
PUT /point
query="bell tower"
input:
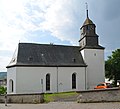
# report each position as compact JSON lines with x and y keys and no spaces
{"x":92,"y":52}
{"x":88,"y":38}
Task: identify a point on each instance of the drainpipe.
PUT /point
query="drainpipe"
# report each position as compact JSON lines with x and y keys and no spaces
{"x":57,"y":79}
{"x":85,"y":78}
{"x":42,"y":84}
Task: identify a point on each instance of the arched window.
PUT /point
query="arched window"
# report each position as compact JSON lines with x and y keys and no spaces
{"x":47,"y":82}
{"x":74,"y":81}
{"x":11,"y":85}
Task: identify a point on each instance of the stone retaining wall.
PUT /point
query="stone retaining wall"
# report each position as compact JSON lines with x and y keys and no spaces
{"x":23,"y":98}
{"x":106,"y":95}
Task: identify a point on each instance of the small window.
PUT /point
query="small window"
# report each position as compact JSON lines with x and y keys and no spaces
{"x":87,"y":27}
{"x":30,"y":58}
{"x":47,"y":82}
{"x":94,"y":54}
{"x":13,"y":60}
{"x":11,"y":85}
{"x":73,"y":81}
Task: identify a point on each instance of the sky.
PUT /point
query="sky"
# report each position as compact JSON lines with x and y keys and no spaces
{"x":55,"y":21}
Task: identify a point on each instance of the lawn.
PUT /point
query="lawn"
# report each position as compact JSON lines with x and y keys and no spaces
{"x":58,"y":96}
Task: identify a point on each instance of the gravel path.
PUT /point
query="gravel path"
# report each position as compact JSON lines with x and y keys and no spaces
{"x":63,"y":105}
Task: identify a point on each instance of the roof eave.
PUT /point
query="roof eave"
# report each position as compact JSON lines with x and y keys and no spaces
{"x":92,"y":47}
{"x":28,"y":65}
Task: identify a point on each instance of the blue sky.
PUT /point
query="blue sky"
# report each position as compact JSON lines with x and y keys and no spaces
{"x":55,"y":21}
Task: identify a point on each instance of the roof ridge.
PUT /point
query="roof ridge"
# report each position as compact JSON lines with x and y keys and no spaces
{"x":50,"y":44}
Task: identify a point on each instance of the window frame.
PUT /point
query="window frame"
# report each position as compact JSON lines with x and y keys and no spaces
{"x":74,"y":81}
{"x":47,"y":82}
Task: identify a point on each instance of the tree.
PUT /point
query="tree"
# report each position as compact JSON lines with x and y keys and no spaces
{"x":2,"y":90}
{"x":112,"y":66}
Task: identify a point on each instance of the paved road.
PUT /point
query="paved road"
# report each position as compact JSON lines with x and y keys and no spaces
{"x":63,"y":105}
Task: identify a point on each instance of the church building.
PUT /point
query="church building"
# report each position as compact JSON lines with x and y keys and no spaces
{"x":49,"y":68}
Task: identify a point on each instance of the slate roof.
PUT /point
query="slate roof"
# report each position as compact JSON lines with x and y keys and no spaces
{"x":92,"y":47}
{"x":30,"y":54}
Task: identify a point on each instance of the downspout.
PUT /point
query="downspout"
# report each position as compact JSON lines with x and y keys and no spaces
{"x":86,"y":78}
{"x":57,"y":79}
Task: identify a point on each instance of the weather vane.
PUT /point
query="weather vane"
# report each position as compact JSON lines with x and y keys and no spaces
{"x":87,"y":8}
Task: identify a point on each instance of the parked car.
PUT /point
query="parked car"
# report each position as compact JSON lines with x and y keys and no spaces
{"x":103,"y":86}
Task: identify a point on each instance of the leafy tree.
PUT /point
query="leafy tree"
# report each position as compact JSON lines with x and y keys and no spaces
{"x":112,"y":66}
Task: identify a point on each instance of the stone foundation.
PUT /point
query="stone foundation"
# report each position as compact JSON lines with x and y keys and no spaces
{"x":105,"y":95}
{"x":90,"y":96}
{"x":23,"y":98}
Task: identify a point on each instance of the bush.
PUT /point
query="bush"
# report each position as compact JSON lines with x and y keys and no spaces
{"x":3,"y":90}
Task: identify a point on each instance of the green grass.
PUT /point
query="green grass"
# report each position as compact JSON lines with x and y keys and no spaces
{"x":51,"y":97}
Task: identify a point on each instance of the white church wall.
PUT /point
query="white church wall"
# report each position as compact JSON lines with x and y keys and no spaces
{"x":65,"y":78}
{"x":95,"y":69}
{"x":11,"y":76}
{"x":29,"y":79}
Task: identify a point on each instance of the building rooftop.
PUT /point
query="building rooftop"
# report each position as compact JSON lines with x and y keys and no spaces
{"x":30,"y":54}
{"x":87,"y":22}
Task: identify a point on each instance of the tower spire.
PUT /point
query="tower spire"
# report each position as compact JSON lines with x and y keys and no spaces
{"x":86,"y":9}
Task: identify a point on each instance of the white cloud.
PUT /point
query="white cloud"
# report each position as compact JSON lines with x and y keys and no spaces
{"x":10,"y":31}
{"x":20,"y":18}
{"x":4,"y":63}
{"x":61,"y":20}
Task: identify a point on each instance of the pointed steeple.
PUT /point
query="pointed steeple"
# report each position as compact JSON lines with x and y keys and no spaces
{"x":88,"y":38}
{"x":88,"y":27}
{"x":87,"y":21}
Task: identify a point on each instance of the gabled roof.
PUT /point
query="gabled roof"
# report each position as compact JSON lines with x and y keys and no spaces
{"x":30,"y":54}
